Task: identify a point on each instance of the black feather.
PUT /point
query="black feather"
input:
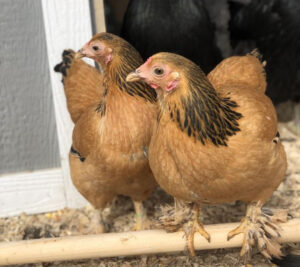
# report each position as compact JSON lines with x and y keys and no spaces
{"x":67,"y":57}
{"x":273,"y":26}
{"x":178,"y":26}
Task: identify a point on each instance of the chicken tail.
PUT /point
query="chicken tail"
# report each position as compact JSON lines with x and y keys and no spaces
{"x":67,"y":58}
{"x":82,"y":83}
{"x":248,"y":69}
{"x":256,"y":53}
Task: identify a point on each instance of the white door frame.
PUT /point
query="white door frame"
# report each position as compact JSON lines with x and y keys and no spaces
{"x":67,"y":25}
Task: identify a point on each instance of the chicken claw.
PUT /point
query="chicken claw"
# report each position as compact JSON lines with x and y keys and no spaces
{"x":196,"y":227}
{"x":183,"y":218}
{"x":258,"y":229}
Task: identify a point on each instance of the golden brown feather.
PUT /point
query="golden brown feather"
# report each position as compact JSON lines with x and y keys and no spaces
{"x":113,"y":135}
{"x":216,"y":140}
{"x":82,"y":84}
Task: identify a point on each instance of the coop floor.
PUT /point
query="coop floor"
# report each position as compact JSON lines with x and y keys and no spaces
{"x":120,"y":217}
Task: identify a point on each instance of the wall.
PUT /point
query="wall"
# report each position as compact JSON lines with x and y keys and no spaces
{"x":28,"y":139}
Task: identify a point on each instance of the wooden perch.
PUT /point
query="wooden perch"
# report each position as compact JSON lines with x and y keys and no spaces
{"x":125,"y":244}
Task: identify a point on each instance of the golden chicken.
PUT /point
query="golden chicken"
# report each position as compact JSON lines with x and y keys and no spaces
{"x":111,"y":137}
{"x":216,"y":141}
{"x":82,"y":83}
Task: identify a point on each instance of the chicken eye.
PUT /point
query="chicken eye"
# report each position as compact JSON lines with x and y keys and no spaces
{"x":158,"y":71}
{"x":95,"y":48}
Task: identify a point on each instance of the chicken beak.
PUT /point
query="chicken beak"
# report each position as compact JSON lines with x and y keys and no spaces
{"x":133,"y":77}
{"x":79,"y":54}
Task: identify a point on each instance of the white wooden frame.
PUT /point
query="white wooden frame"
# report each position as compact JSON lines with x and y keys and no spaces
{"x":67,"y":25}
{"x":31,"y":192}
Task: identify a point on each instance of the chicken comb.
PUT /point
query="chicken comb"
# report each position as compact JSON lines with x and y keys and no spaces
{"x":148,"y":60}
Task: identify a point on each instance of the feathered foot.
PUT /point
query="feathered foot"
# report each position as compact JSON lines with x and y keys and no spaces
{"x":142,"y":222}
{"x":96,"y":225}
{"x":172,"y":219}
{"x":195,"y":227}
{"x":182,"y":217}
{"x":259,"y":228}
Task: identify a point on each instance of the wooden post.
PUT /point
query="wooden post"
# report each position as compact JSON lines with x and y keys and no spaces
{"x":99,"y":16}
{"x":125,"y":244}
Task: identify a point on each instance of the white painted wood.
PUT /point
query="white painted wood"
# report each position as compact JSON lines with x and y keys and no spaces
{"x":32,"y":192}
{"x":67,"y":25}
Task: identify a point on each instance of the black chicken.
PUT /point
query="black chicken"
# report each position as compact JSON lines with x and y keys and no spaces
{"x":289,"y":261}
{"x":177,"y":26}
{"x":273,"y":26}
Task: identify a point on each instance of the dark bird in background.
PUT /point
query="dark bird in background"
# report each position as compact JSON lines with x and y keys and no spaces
{"x":288,"y":261}
{"x":199,"y":30}
{"x":292,"y":258}
{"x":272,"y":26}
{"x":177,"y":26}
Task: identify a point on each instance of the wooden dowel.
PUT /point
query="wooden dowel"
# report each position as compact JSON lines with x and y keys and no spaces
{"x":125,"y":244}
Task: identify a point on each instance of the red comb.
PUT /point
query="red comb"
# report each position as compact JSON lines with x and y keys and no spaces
{"x":148,"y":60}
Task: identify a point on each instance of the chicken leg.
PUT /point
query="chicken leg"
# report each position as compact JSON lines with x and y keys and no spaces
{"x":194,"y":227}
{"x":258,"y":228}
{"x":183,"y":218}
{"x":97,"y":225}
{"x":142,"y":222}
